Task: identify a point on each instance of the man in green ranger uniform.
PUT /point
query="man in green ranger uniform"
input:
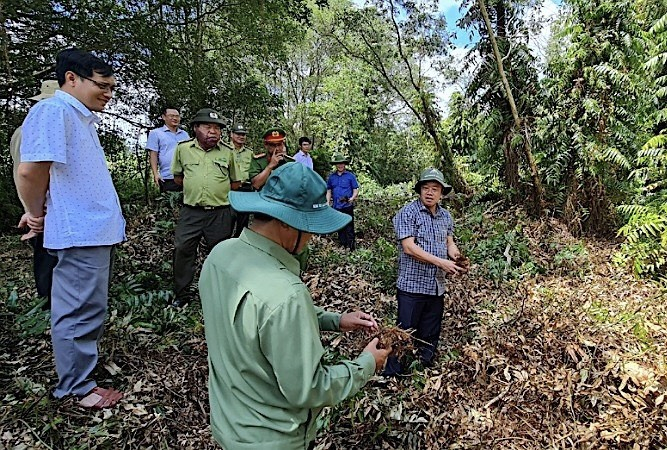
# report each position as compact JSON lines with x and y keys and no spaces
{"x":267,"y":379}
{"x":242,"y":158}
{"x":206,"y":169}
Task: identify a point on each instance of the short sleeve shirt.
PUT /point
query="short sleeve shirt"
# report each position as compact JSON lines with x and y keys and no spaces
{"x":430,"y":233}
{"x":164,"y":141}
{"x":207,"y":175}
{"x":341,"y":186}
{"x":243,"y":159}
{"x":82,"y":207}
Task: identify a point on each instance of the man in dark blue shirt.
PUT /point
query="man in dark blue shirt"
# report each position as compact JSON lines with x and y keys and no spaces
{"x":342,"y":191}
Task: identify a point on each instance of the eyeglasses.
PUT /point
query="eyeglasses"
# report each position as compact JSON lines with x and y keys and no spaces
{"x":106,"y":87}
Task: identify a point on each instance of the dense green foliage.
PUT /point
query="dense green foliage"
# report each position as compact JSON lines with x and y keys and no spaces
{"x":645,"y":229}
{"x":365,"y":80}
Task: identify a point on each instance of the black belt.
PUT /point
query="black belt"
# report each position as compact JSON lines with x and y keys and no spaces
{"x":207,"y":208}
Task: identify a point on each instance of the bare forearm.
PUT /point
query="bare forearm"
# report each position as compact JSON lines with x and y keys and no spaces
{"x":32,"y":183}
{"x":260,"y":179}
{"x":153,"y":160}
{"x":178,"y":179}
{"x":412,"y":249}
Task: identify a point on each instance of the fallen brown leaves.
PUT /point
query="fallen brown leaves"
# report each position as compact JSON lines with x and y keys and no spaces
{"x":573,"y":358}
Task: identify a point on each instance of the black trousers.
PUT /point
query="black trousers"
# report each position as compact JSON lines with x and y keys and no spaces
{"x":346,"y":235}
{"x":42,"y":266}
{"x":423,"y":313}
{"x":239,"y":222}
{"x":193,"y":224}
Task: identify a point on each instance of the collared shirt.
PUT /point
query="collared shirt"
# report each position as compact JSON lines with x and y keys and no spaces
{"x":430,"y":233}
{"x":304,"y":158}
{"x":267,"y":380}
{"x":341,"y":185}
{"x":164,"y":141}
{"x":242,"y":158}
{"x":207,"y":175}
{"x":82,"y":207}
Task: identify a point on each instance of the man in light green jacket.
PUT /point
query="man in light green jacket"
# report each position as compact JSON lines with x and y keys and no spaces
{"x":267,"y":380}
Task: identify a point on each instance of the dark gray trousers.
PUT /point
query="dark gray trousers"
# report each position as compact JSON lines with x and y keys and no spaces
{"x":193,"y":224}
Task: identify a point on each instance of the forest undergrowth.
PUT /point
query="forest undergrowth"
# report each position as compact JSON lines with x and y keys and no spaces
{"x":545,"y":344}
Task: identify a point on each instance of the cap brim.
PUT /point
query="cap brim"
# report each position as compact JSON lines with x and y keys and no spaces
{"x":320,"y":221}
{"x":446,"y":189}
{"x":40,"y":97}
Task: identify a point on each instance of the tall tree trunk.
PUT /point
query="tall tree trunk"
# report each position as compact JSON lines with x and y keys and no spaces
{"x":448,"y":165}
{"x":538,"y":190}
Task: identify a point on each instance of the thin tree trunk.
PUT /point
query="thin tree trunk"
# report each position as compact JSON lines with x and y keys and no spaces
{"x":538,"y":190}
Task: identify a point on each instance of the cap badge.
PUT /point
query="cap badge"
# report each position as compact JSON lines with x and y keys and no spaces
{"x":213,"y":115}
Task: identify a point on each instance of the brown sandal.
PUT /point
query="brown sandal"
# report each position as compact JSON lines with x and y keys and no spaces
{"x":100,"y":398}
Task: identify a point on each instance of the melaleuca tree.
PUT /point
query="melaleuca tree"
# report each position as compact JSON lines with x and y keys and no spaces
{"x":503,"y":147}
{"x":593,"y":119}
{"x":645,"y":229}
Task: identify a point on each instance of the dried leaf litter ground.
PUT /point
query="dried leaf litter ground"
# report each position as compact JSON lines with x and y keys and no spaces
{"x":571,"y":356}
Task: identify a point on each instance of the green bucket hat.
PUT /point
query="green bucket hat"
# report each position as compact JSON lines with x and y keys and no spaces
{"x":295,"y":195}
{"x":207,"y":115}
{"x":338,"y":158}
{"x":432,"y":174}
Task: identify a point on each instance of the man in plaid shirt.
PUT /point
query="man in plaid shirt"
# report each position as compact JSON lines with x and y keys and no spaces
{"x":425,"y":235}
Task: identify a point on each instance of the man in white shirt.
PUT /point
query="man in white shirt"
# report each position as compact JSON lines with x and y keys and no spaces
{"x":303,"y":155}
{"x":67,"y":188}
{"x":161,"y":144}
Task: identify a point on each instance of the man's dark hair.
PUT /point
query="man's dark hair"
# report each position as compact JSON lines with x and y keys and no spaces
{"x":81,"y":63}
{"x":163,"y":111}
{"x":303,"y":139}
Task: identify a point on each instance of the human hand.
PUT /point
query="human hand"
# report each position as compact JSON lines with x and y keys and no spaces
{"x":357,"y":320}
{"x":380,"y":354}
{"x":36,"y":225}
{"x":157,"y":178}
{"x":450,"y":267}
{"x":454,"y":253}
{"x":276,"y":158}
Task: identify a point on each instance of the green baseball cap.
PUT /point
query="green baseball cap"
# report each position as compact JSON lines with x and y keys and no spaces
{"x":207,"y":115}
{"x":239,"y":128}
{"x":295,"y":195}
{"x":432,"y":174}
{"x":338,"y":158}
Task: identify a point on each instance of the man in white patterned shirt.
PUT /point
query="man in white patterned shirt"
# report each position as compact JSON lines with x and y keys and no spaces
{"x":81,"y":216}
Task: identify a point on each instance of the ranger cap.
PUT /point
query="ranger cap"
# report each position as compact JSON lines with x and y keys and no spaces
{"x":433,"y":174}
{"x":207,"y":115}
